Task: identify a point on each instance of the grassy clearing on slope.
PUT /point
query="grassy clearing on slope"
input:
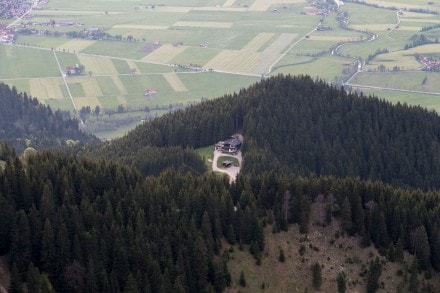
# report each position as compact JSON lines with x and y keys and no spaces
{"x":207,"y":153}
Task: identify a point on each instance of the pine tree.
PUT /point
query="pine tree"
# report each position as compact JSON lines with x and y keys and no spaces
{"x":346,"y":215}
{"x":316,"y":276}
{"x":281,"y":257}
{"x":342,"y":283}
{"x":242,"y":281}
{"x":374,"y":272}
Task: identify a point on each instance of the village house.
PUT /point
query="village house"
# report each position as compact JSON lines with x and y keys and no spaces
{"x":231,"y":145}
{"x":6,"y":36}
{"x":74,"y":70}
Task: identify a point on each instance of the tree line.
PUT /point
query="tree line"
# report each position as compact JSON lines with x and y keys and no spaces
{"x":80,"y":225}
{"x":298,"y":126}
{"x":24,"y":122}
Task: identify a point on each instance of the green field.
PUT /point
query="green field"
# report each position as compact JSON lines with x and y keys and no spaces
{"x":238,"y":44}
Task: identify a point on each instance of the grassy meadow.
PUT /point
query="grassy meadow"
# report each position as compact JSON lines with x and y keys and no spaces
{"x":232,"y":43}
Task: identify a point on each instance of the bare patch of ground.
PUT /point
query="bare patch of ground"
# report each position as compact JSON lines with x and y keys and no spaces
{"x":325,"y":245}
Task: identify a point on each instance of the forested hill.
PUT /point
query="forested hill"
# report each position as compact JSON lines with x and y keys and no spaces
{"x":298,"y":125}
{"x":77,"y":225}
{"x":24,"y":122}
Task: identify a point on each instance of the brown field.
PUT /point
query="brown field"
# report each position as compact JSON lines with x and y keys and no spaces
{"x":76,"y":45}
{"x":48,"y":88}
{"x":97,"y":65}
{"x":235,"y":61}
{"x":229,"y":3}
{"x":164,"y":54}
{"x":175,"y":82}
{"x":90,"y":86}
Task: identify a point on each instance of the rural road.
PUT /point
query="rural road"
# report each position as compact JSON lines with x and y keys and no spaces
{"x":231,"y":171}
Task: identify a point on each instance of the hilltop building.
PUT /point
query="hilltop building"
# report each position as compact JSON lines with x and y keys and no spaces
{"x":231,"y":145}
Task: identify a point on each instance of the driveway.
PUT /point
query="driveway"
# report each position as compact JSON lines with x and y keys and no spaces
{"x":232,"y":171}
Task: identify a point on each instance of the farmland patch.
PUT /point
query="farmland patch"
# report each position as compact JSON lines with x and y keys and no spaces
{"x":47,"y":88}
{"x":204,"y":24}
{"x":257,"y":42}
{"x":175,"y":82}
{"x":280,"y":44}
{"x":98,"y":65}
{"x":87,"y":101}
{"x":397,"y":4}
{"x":263,"y":5}
{"x":141,"y":27}
{"x":76,"y":45}
{"x":164,"y":54}
{"x":90,"y":86}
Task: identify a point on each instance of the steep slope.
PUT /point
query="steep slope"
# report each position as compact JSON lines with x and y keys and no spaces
{"x":24,"y":122}
{"x":296,"y":125}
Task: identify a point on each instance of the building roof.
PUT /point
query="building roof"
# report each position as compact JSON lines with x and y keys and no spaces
{"x":233,"y":142}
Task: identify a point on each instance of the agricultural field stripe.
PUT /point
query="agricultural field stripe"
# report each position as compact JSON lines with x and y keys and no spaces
{"x":204,"y":24}
{"x":97,"y":65}
{"x":229,"y":3}
{"x":164,"y":54}
{"x":428,"y":20}
{"x":263,"y":5}
{"x":257,"y":42}
{"x":91,"y":87}
{"x":227,"y":9}
{"x":395,"y":4}
{"x":141,"y":27}
{"x":76,"y":45}
{"x":133,"y":66}
{"x":175,"y":82}
{"x":46,"y":88}
{"x":118,"y":83}
{"x":280,"y":43}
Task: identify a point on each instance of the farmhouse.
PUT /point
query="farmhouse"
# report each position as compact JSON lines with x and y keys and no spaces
{"x":231,"y":145}
{"x":74,"y":70}
{"x":150,"y":91}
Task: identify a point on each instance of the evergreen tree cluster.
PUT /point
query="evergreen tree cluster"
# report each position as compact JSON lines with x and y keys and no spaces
{"x":298,"y":126}
{"x":24,"y":122}
{"x":393,"y":219}
{"x":77,"y":225}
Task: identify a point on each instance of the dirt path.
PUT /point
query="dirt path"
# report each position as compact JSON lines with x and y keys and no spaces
{"x":231,"y":171}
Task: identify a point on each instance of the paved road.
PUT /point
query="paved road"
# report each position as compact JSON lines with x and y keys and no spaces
{"x":231,"y":171}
